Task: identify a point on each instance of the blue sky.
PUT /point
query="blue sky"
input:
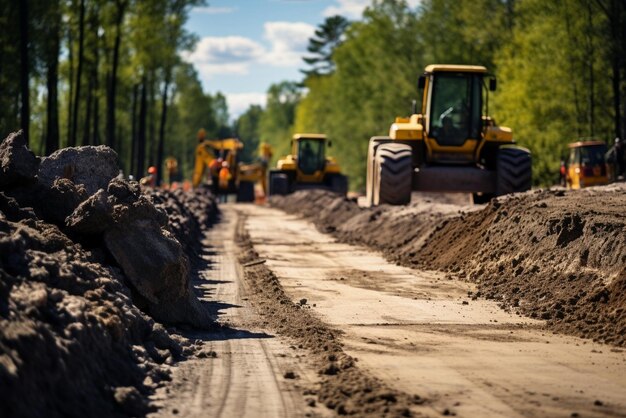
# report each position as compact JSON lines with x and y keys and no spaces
{"x":246,"y":45}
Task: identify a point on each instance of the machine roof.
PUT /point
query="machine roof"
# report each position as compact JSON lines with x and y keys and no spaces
{"x":455,"y":68}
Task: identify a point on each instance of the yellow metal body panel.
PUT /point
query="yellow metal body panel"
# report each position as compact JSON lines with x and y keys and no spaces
{"x":575,"y":179}
{"x":407,"y":128}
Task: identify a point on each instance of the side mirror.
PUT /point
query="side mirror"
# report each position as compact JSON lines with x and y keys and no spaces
{"x":492,"y":84}
{"x":330,"y":143}
{"x":421,"y":82}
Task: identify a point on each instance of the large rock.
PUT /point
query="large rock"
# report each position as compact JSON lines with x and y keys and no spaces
{"x":151,"y":259}
{"x":18,"y":165}
{"x":135,"y":232}
{"x":154,"y":262}
{"x":91,"y":166}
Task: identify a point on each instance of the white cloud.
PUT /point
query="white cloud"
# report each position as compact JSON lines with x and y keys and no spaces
{"x":227,"y":55}
{"x":353,"y":9}
{"x":214,"y":10}
{"x":288,"y":42}
{"x":238,"y":103}
{"x":349,"y":8}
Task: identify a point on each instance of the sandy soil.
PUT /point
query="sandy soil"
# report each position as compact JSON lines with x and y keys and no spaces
{"x":421,"y":333}
{"x":550,"y":254}
{"x":240,"y":369}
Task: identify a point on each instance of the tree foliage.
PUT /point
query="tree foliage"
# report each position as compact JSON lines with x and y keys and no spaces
{"x":321,"y":47}
{"x":126,"y":87}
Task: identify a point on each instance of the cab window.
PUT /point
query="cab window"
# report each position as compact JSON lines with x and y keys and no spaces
{"x":310,"y":155}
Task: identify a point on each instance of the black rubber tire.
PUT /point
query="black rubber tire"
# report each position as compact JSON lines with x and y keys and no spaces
{"x":482,"y":198}
{"x":513,"y":170}
{"x":245,"y":193}
{"x":279,"y":184}
{"x":393,"y":174}
{"x":374,"y":143}
{"x":338,"y":183}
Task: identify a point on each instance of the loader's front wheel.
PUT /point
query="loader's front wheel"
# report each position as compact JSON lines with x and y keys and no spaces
{"x":279,"y":184}
{"x":245,"y":193}
{"x":339,"y":184}
{"x":513,"y":170}
{"x":392,"y":174}
{"x":375,"y":142}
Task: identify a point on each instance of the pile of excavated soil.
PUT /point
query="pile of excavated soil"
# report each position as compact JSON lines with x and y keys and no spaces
{"x":87,"y":260}
{"x":345,"y":388}
{"x":548,"y":254}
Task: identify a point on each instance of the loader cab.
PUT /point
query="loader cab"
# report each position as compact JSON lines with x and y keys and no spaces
{"x":453,"y":98}
{"x":455,"y":112}
{"x":586,"y":164}
{"x":310,"y":152}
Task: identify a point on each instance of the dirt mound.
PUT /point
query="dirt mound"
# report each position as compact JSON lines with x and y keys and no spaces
{"x":555,"y":255}
{"x":76,"y":338}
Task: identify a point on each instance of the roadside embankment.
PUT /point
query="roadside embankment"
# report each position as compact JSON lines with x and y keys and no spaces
{"x":548,"y":254}
{"x":91,"y":267}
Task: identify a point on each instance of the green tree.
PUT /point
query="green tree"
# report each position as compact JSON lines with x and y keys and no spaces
{"x":556,"y":100}
{"x":327,"y":37}
{"x":276,"y":124}
{"x":247,"y":130}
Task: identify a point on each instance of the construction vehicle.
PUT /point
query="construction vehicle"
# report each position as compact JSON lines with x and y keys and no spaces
{"x":448,"y":144}
{"x":243,"y":176}
{"x":586,"y":164}
{"x":307,"y":167}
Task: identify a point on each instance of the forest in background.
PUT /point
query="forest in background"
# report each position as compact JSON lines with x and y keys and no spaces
{"x":110,"y":72}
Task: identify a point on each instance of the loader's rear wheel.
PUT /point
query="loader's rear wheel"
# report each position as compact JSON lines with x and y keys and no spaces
{"x":279,"y":184}
{"x":245,"y":193}
{"x":393,"y":174}
{"x":513,"y":170}
{"x":339,"y":184}
{"x":375,"y":142}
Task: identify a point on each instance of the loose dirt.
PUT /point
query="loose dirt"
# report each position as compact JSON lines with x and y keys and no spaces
{"x":421,"y":333}
{"x":344,"y":387}
{"x":240,"y":369}
{"x":75,"y":336}
{"x":549,"y":254}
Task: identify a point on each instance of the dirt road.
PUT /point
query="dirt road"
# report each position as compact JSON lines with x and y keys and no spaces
{"x":240,"y":370}
{"x":420,"y":332}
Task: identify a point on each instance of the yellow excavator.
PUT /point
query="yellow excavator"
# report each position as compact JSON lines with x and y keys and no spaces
{"x":307,"y":167}
{"x":212,"y":153}
{"x":448,"y":144}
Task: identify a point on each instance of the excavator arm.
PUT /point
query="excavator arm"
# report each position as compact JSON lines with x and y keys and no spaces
{"x":204,"y":157}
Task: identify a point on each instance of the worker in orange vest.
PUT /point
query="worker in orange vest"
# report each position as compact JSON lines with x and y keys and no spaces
{"x":150,"y":179}
{"x":224,"y":179}
{"x":214,"y":171}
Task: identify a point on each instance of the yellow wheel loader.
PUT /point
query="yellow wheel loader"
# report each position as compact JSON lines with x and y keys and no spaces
{"x":243,"y":176}
{"x":307,"y":167}
{"x":449,"y":144}
{"x":586,"y":164}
